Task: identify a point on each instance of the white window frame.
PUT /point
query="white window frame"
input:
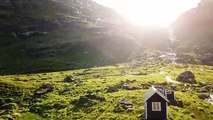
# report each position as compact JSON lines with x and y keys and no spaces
{"x":156,"y":106}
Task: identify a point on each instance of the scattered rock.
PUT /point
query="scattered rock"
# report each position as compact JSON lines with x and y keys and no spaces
{"x":203,"y":96}
{"x":187,"y":77}
{"x":112,"y":89}
{"x":44,"y":89}
{"x":123,"y":105}
{"x":69,"y":79}
{"x":87,"y":98}
{"x":145,"y":86}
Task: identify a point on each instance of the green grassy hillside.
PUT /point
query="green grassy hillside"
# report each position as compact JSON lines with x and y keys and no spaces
{"x":66,"y":101}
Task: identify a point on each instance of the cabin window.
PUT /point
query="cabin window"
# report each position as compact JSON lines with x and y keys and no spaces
{"x":156,"y":106}
{"x":169,"y":92}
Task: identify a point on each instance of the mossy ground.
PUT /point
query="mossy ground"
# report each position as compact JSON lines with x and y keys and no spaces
{"x":57,"y":105}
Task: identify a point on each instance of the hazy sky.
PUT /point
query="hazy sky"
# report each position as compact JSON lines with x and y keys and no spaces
{"x":150,"y":12}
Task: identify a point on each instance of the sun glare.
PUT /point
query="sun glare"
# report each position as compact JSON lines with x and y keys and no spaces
{"x":150,"y":12}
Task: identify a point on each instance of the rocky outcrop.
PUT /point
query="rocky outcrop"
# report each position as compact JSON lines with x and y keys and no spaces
{"x":187,"y":77}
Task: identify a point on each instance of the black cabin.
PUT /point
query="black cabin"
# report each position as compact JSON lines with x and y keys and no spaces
{"x":155,"y":104}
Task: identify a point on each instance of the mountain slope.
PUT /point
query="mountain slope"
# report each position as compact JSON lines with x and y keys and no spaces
{"x":52,"y":35}
{"x":193,"y":30}
{"x":49,"y":35}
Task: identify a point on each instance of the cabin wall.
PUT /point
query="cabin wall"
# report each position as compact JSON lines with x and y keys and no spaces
{"x":156,"y":115}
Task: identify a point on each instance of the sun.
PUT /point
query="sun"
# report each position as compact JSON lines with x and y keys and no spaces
{"x":150,"y":12}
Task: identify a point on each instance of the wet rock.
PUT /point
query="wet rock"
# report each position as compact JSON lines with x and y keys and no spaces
{"x":44,"y":89}
{"x":203,"y":96}
{"x":112,"y":89}
{"x":69,"y":79}
{"x":187,"y":77}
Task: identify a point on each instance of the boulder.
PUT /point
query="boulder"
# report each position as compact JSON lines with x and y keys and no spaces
{"x":203,"y":96}
{"x":68,"y":79}
{"x":187,"y":77}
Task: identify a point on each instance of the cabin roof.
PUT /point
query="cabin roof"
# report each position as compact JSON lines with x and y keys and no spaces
{"x":151,"y":92}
